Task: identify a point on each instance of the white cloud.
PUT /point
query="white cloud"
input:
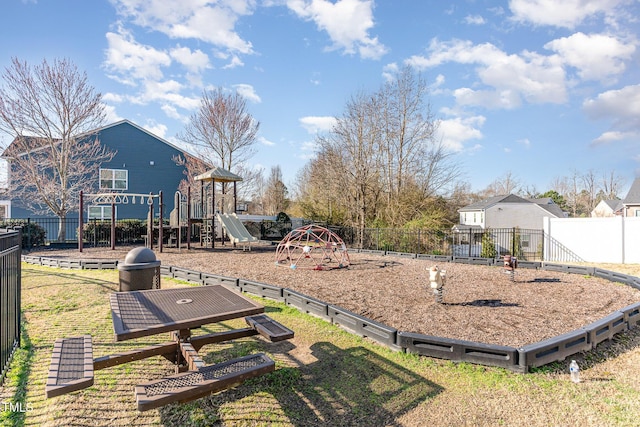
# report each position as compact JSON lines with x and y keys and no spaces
{"x":596,"y":56}
{"x":264,"y":141}
{"x":132,"y":61}
{"x":389,"y":71}
{"x":456,"y":131}
{"x":308,"y":150}
{"x":612,"y":136}
{"x":233,"y":63}
{"x":564,"y":13}
{"x":248,"y":92}
{"x":111,"y":115}
{"x":509,"y":78}
{"x":172,"y":112}
{"x":210,"y":22}
{"x":619,"y":103}
{"x":347,"y":22}
{"x":157,"y":129}
{"x":316,"y":124}
{"x":622,"y":107}
{"x":439,"y":81}
{"x":474,"y":20}
{"x":112,"y":97}
{"x":195,"y":61}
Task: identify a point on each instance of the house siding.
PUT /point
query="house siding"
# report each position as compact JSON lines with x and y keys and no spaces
{"x":508,"y":215}
{"x":135,"y":149}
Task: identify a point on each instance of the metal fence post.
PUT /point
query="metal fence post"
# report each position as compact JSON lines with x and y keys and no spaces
{"x":28,"y":234}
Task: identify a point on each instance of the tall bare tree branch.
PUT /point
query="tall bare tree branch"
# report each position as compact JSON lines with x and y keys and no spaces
{"x":50,"y":110}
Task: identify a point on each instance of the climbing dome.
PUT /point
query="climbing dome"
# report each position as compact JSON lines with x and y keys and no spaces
{"x":312,"y":247}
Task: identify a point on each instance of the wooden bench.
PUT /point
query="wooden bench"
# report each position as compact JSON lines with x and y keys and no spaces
{"x":269,"y":328}
{"x":206,"y":380}
{"x":71,"y":366}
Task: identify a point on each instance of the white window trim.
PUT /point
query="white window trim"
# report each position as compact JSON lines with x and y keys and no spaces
{"x":126,"y":180}
{"x":7,"y":204}
{"x":106,"y":213}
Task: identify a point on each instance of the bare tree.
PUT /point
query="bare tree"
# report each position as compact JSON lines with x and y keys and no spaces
{"x":352,"y":149}
{"x":506,"y":184}
{"x":50,"y":110}
{"x":222,"y":131}
{"x":275,"y":193}
{"x":611,"y":184}
{"x":408,"y":127}
{"x":590,"y":190}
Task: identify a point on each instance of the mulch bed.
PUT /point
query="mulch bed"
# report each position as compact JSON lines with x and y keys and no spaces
{"x":481,"y":303}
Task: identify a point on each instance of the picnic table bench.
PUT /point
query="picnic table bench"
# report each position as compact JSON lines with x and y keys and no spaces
{"x":150,"y":312}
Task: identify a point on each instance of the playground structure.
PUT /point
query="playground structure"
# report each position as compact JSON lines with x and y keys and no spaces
{"x":236,"y":231}
{"x":123,"y":198}
{"x":312,"y":247}
{"x":208,"y":213}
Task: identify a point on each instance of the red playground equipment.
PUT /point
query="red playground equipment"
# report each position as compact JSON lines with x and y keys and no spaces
{"x":312,"y":247}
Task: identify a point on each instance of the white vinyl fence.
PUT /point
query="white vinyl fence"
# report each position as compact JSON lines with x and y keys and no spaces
{"x":612,"y":240}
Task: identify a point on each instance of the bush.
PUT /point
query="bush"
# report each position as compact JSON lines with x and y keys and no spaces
{"x":127,"y":231}
{"x":488,"y":245}
{"x":33,"y":234}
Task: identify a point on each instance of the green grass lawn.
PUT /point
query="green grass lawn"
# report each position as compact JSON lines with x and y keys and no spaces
{"x":324,"y":376}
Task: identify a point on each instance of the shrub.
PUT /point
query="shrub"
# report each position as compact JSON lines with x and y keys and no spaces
{"x":488,"y":245}
{"x":33,"y":234}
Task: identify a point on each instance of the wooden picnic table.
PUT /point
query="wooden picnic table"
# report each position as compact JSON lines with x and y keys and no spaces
{"x":179,"y":310}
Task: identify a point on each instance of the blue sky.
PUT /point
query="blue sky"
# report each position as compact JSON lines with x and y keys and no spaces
{"x":537,"y":88}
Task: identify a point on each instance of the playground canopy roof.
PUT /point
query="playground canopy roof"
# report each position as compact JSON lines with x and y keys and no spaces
{"x":218,"y":174}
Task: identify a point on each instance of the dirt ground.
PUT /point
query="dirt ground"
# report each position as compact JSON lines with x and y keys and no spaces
{"x":481,"y":303}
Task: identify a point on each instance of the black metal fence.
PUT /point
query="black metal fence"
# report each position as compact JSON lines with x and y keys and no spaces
{"x":526,"y":244}
{"x":45,"y":231}
{"x":10,"y":290}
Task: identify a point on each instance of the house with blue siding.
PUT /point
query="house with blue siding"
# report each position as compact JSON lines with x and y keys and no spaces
{"x":144,"y":163}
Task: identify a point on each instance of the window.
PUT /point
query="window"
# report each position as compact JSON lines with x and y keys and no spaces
{"x":5,"y":209}
{"x":114,"y":179}
{"x":101,"y":212}
{"x":524,"y":240}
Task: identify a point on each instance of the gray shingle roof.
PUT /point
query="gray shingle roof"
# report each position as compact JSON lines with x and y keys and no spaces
{"x":633,"y":196}
{"x":614,"y":204}
{"x":545,"y":203}
{"x":484,"y":204}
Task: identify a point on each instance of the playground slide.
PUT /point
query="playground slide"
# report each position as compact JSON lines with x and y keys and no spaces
{"x":235,"y":229}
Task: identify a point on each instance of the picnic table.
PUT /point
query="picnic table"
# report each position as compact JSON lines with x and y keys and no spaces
{"x":177,"y":311}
